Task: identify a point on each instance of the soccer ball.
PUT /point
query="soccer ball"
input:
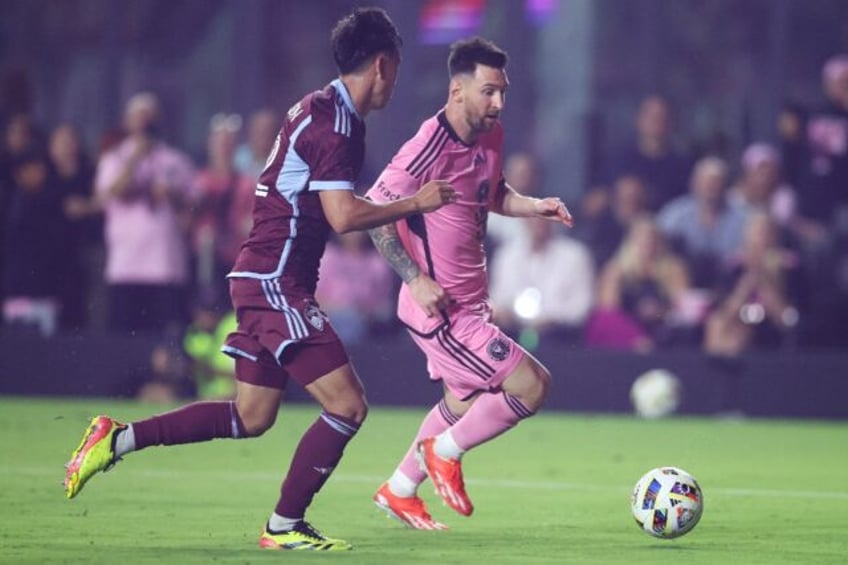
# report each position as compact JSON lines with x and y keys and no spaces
{"x":655,"y":394}
{"x":667,"y":502}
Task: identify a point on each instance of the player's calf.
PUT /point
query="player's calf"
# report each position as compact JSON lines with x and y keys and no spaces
{"x":255,"y":409}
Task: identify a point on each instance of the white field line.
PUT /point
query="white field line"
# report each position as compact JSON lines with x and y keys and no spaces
{"x":176,"y":474}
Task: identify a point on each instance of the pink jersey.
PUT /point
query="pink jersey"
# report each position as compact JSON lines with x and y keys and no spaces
{"x":446,"y":244}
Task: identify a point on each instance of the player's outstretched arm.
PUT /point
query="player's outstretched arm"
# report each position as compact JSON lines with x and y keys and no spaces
{"x":508,"y":202}
{"x":346,"y":211}
{"x":552,"y":208}
{"x":429,"y":295}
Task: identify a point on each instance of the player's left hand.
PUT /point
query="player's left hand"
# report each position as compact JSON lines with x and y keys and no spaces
{"x":429,"y":295}
{"x":553,"y":208}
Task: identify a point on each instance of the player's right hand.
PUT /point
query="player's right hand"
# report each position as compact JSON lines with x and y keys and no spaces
{"x":429,"y":295}
{"x":434,"y":195}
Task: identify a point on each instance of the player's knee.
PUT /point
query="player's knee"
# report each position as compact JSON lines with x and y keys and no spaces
{"x":456,"y":406}
{"x":360,"y":412}
{"x":529,"y":384}
{"x":256,"y":420}
{"x":352,"y":407}
{"x":545,"y":380}
{"x":534,"y":387}
{"x":541,"y":384}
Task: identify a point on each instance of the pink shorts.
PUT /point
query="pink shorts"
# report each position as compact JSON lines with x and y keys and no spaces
{"x":469,"y":354}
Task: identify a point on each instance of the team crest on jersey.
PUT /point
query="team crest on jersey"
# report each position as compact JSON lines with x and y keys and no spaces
{"x":315,"y":316}
{"x":498,"y":349}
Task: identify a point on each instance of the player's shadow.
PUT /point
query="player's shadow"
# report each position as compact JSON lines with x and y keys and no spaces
{"x":665,"y":547}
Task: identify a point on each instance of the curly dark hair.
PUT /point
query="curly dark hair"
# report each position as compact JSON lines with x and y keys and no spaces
{"x":362,"y":34}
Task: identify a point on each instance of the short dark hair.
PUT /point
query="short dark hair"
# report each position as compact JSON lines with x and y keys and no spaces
{"x":362,"y":34}
{"x":466,"y":54}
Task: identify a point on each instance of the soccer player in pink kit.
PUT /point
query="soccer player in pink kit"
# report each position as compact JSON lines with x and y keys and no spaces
{"x":490,"y":383}
{"x":303,"y":193}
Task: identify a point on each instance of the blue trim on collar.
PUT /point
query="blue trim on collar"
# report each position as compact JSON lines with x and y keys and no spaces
{"x":342,"y":89}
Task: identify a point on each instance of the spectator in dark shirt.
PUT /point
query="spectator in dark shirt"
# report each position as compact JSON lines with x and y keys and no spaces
{"x":73,"y":180}
{"x":652,"y":155}
{"x":33,"y":247}
{"x":18,"y":137}
{"x":824,"y":190}
{"x":604,"y":231}
{"x":823,"y":207}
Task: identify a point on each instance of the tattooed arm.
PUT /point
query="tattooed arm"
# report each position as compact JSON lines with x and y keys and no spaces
{"x":387,"y":241}
{"x":429,"y":295}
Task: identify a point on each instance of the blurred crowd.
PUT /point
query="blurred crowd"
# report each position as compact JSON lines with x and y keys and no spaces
{"x":695,"y":249}
{"x":671,"y":248}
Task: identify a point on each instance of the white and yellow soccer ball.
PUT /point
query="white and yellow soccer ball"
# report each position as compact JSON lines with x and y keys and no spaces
{"x":655,"y":394}
{"x":667,"y":502}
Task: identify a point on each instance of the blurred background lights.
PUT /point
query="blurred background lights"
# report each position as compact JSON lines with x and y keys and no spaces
{"x":528,"y":304}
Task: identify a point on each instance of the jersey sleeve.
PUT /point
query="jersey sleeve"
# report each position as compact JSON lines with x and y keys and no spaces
{"x":393,"y":184}
{"x":396,"y":182}
{"x":334,"y":166}
{"x":330,"y":156}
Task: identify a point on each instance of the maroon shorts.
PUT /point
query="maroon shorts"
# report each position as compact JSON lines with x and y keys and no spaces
{"x":280,"y":336}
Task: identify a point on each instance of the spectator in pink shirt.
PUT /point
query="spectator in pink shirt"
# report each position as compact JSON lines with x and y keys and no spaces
{"x":144,"y":185}
{"x":355,"y":286}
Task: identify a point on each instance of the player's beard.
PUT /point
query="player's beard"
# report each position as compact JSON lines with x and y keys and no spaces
{"x":490,"y":121}
{"x":482,"y":124}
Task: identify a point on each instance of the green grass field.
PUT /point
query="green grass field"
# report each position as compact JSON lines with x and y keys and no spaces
{"x":554,"y":490}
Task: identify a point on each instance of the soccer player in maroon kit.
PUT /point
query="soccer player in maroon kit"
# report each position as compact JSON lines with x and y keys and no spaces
{"x":305,"y":191}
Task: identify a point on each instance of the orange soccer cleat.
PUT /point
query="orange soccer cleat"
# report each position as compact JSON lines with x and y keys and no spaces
{"x":446,"y":475}
{"x":410,"y":510}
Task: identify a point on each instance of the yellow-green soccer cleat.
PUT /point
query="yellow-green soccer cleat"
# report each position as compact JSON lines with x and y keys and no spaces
{"x":301,"y":537}
{"x":96,"y":452}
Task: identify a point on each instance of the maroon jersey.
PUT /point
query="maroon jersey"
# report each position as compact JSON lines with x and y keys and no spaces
{"x":321,"y":146}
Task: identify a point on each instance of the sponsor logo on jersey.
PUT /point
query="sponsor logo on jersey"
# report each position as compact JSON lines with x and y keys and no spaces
{"x":386,"y":193}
